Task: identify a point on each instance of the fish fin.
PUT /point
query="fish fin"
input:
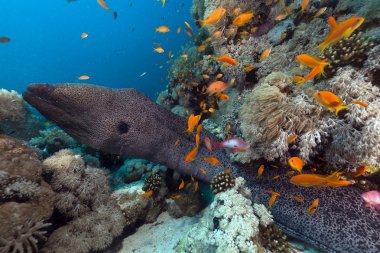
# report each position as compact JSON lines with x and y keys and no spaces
{"x":339,"y":108}
{"x":332,"y":22}
{"x":348,"y":33}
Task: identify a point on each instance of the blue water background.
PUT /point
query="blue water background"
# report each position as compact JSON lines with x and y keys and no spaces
{"x":46,"y":47}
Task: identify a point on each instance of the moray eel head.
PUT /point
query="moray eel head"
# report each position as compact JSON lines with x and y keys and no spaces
{"x":97,"y":116}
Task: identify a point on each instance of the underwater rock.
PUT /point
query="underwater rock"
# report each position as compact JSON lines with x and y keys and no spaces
{"x":109,"y":111}
{"x":26,"y":200}
{"x":83,"y":199}
{"x":160,"y":236}
{"x":285,"y":26}
{"x":227,"y":225}
{"x":135,"y":208}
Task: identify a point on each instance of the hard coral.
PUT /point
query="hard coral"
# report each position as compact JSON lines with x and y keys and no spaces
{"x":12,"y":107}
{"x":227,"y":225}
{"x":352,"y":51}
{"x":222,"y":181}
{"x":272,"y":238}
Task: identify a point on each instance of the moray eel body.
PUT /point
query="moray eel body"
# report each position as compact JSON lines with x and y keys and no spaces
{"x":124,"y":121}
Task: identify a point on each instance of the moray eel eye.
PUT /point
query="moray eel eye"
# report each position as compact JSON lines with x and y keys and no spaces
{"x":123,"y":127}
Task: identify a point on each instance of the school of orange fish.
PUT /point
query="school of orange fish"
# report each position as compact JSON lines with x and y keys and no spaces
{"x":327,"y":99}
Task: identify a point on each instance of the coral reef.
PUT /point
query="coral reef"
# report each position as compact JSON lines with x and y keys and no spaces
{"x":222,"y":182}
{"x":83,"y":198}
{"x":134,"y":170}
{"x":229,"y":224}
{"x":52,"y":140}
{"x":26,"y":200}
{"x":352,"y":51}
{"x":16,"y":118}
{"x":273,"y":239}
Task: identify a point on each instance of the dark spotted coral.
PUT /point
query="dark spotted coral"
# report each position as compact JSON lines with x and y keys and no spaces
{"x":272,"y":238}
{"x":153,"y":183}
{"x":352,"y":51}
{"x":222,"y":182}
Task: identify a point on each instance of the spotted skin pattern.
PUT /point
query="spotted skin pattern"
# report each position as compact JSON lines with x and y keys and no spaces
{"x":124,"y":121}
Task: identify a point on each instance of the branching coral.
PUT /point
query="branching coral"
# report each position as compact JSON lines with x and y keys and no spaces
{"x":227,"y":225}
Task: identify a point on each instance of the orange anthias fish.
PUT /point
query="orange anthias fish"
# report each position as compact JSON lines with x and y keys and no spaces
{"x":360,"y":171}
{"x":84,"y":35}
{"x":330,"y":101}
{"x":311,"y":61}
{"x":198,"y":135}
{"x":304,"y":5}
{"x":211,"y":160}
{"x":195,"y":186}
{"x":179,"y":29}
{"x":340,"y":31}
{"x":216,"y":87}
{"x":358,"y":102}
{"x":236,"y":11}
{"x":146,"y":194}
{"x":159,"y":50}
{"x":227,"y":59}
{"x":162,"y":29}
{"x":83,"y":77}
{"x":190,"y":157}
{"x":223,"y":96}
{"x":297,"y":199}
{"x":176,"y":196}
{"x":103,"y":4}
{"x":192,"y":122}
{"x":249,"y":68}
{"x":243,"y":18}
{"x":281,"y":17}
{"x":313,"y":207}
{"x":181,"y":185}
{"x":208,"y":144}
{"x":318,"y":70}
{"x":218,"y":76}
{"x":260,"y":171}
{"x":272,"y":198}
{"x":296,"y":163}
{"x":203,"y":171}
{"x":319,"y":181}
{"x":291,"y":138}
{"x":320,"y":12}
{"x":214,"y":17}
{"x":177,"y":142}
{"x":265,"y":54}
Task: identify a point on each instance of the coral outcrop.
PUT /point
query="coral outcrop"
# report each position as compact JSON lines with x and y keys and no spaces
{"x":83,"y":199}
{"x":26,"y":200}
{"x":16,"y":120}
{"x":229,"y":224}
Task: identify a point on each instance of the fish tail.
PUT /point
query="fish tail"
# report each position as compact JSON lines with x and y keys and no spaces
{"x":339,"y":108}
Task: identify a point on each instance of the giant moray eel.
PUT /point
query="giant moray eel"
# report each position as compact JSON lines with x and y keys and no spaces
{"x":124,"y":121}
